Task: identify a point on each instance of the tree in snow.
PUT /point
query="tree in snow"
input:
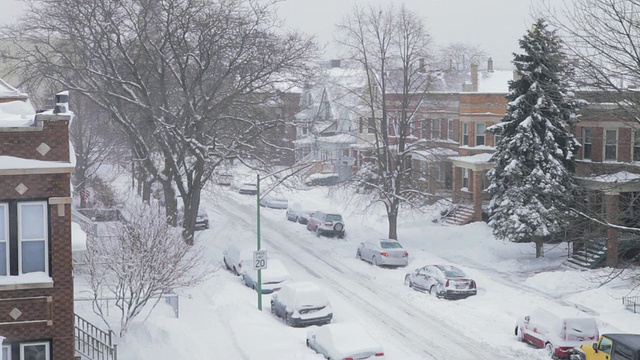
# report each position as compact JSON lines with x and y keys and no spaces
{"x":143,"y":259}
{"x":393,"y":47}
{"x":531,"y":184}
{"x":185,"y":80}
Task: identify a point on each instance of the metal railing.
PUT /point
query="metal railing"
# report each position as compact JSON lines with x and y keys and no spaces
{"x":632,"y":303}
{"x":93,"y":342}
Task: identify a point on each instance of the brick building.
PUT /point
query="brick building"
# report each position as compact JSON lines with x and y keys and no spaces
{"x":36,"y":282}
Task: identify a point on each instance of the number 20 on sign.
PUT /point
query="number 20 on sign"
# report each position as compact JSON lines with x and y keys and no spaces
{"x":260,"y":259}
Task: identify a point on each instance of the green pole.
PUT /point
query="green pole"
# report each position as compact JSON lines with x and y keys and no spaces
{"x":258,"y":236}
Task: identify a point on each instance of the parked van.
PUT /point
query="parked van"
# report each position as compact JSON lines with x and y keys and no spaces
{"x":558,"y":332}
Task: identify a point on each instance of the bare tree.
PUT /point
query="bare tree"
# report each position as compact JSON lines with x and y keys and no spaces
{"x":392,"y":46}
{"x":141,"y":261}
{"x":182,"y":78}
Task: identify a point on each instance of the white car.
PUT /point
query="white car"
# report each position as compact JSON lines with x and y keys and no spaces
{"x":383,"y":252}
{"x":236,"y":257}
{"x":245,"y":188}
{"x":274,"y":202}
{"x":273,"y":277}
{"x":443,"y":281}
{"x":344,"y":341}
{"x":296,"y":213}
{"x":302,"y":304}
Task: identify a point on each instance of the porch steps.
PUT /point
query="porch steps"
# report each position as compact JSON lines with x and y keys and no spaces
{"x":590,"y":256}
{"x":461,"y":215}
{"x":92,"y":343}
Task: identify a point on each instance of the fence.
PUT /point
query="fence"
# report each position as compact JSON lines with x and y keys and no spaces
{"x":632,"y":303}
{"x":172,"y":300}
{"x":94,"y":343}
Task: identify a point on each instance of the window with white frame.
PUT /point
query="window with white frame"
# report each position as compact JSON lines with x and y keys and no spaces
{"x":423,"y":129}
{"x":611,"y":145}
{"x":26,"y":249}
{"x":35,"y":351}
{"x":480,"y":134}
{"x":437,"y":172}
{"x":435,"y":129}
{"x":587,"y":143}
{"x":6,"y":352}
{"x":450,"y":130}
{"x":636,"y":145}
{"x":465,"y":134}
{"x":465,"y":178}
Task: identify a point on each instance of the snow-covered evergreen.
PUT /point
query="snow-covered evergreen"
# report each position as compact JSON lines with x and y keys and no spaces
{"x":532,"y":183}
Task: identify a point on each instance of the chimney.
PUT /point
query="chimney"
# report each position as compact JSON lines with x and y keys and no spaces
{"x":474,"y":77}
{"x":490,"y":65}
{"x":334,"y":63}
{"x":62,"y":102}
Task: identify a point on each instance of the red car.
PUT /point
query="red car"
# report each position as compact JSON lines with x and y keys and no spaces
{"x":325,"y":223}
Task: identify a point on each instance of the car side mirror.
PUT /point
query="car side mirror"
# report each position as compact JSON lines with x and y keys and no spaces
{"x":526,"y":319}
{"x":595,"y":347}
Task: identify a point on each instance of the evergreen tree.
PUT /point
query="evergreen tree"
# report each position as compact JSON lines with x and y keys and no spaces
{"x":532,"y":184}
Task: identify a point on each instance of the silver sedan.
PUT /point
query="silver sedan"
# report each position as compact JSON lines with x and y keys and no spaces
{"x":442,"y":281}
{"x":383,"y":252}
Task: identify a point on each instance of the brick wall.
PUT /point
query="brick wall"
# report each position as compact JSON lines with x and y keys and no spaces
{"x":54,"y":306}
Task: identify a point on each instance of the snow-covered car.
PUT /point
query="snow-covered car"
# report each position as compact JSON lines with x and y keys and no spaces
{"x":443,"y":281}
{"x":236,"y":257}
{"x":202,"y":219}
{"x":302,"y":304}
{"x":383,"y":252}
{"x":273,"y":277}
{"x":274,"y":202}
{"x":245,"y":188}
{"x":296,"y":213}
{"x":345,"y":340}
{"x":323,"y":223}
{"x":557,"y":332}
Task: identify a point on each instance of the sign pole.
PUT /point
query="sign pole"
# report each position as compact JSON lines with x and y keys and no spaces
{"x":258,"y":236}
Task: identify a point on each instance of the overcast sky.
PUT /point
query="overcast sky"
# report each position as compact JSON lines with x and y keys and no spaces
{"x":495,"y":25}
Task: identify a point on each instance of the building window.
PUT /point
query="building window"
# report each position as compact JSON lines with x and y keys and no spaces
{"x":611,"y":145}
{"x":35,"y":351}
{"x":587,"y":143}
{"x":496,"y":138}
{"x":423,"y":129}
{"x":435,"y":129}
{"x":372,"y":126}
{"x":480,"y":134}
{"x":465,"y":179}
{"x":25,"y":250}
{"x":450,"y":130}
{"x":437,"y":172}
{"x":636,"y":145}
{"x":424,"y":170}
{"x":465,"y":134}
{"x":6,"y":352}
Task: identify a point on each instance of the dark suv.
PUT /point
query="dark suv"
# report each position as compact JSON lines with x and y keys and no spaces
{"x":326,"y":224}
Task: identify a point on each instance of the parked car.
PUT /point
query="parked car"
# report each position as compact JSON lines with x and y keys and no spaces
{"x":223,"y":179}
{"x":236,"y":257}
{"x":202,"y":219}
{"x":383,"y":252}
{"x":274,"y":202}
{"x":245,"y":188}
{"x":326,"y":224}
{"x":302,"y":304}
{"x":296,"y":213}
{"x":273,"y":277}
{"x":344,"y":340}
{"x":609,"y":346}
{"x":556,"y":332}
{"x":443,"y":281}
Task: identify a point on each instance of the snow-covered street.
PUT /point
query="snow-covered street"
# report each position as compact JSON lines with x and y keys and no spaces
{"x":219,"y":318}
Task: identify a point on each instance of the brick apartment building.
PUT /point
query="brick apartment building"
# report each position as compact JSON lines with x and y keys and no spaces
{"x":36,"y":282}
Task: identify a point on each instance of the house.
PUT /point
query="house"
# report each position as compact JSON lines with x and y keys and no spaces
{"x":36,"y":282}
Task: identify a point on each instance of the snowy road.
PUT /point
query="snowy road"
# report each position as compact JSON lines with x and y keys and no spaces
{"x":415,"y":334}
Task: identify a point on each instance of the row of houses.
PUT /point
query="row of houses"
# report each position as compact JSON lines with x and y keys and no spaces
{"x":452,"y":120}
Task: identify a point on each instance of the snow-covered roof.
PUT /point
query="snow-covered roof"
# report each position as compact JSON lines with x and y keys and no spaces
{"x":433,"y":153}
{"x":339,"y":138}
{"x":304,"y":141}
{"x":16,"y":113}
{"x":474,"y":159}
{"x":78,"y":238}
{"x":619,"y":177}
{"x":11,"y":165}
{"x":496,"y":81}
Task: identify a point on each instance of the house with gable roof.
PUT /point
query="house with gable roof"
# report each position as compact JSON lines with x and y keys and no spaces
{"x":36,"y":282}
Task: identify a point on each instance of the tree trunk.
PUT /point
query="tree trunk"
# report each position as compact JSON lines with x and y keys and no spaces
{"x":170,"y":201}
{"x":539,"y":246}
{"x":146,"y":190}
{"x":392,"y":215}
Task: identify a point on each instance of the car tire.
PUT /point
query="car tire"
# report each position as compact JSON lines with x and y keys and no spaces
{"x":407,"y":281}
{"x":358,"y":255}
{"x":374,"y":261}
{"x":433,"y":291}
{"x":519,"y":335}
{"x":235,"y":271}
{"x":318,"y":231}
{"x":297,"y":219}
{"x":226,"y":266}
{"x":287,"y":320}
{"x":308,"y":345}
{"x":273,"y":310}
{"x":549,"y":347}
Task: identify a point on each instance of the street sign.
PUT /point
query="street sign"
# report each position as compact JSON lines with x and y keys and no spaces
{"x":260,"y":259}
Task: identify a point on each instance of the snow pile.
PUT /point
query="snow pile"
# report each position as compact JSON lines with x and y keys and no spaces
{"x":17,"y":113}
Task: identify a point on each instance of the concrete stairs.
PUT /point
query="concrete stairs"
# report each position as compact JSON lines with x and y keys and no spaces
{"x":460,"y":215}
{"x":590,"y":256}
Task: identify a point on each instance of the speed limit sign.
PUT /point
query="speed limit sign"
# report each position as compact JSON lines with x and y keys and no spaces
{"x":260,"y":259}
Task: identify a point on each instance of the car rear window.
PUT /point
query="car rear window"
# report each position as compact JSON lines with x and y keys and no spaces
{"x":390,"y":245}
{"x":333,"y":217}
{"x":453,"y":273}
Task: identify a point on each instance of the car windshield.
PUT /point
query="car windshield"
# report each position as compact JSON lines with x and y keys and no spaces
{"x":333,"y":217}
{"x":390,"y":245}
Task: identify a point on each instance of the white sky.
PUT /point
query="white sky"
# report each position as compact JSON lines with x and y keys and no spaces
{"x":495,"y":25}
